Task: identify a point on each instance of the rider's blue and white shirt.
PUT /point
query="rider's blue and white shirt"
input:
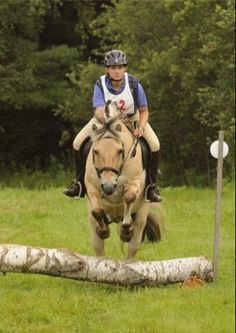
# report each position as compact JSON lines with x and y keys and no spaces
{"x":123,"y":97}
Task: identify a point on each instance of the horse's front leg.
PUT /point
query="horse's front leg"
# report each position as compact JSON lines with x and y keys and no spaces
{"x":97,"y":219}
{"x":131,"y":193}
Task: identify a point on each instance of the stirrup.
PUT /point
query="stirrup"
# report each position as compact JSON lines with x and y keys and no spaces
{"x":154,"y":188}
{"x":75,"y":182}
{"x":80,"y":189}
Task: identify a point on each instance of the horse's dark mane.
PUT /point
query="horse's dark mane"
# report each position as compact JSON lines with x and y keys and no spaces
{"x":108,"y":129}
{"x":107,"y":110}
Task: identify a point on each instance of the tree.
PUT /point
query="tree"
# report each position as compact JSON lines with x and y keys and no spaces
{"x":182,"y":50}
{"x":20,"y":25}
{"x":40,"y":42}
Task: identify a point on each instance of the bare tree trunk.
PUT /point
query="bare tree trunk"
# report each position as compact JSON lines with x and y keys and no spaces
{"x":72,"y":265}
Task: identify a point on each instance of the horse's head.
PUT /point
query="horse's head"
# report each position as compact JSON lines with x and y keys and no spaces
{"x":108,"y":154}
{"x":108,"y":159}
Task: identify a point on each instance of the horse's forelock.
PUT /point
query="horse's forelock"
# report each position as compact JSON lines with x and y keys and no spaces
{"x":108,"y":130}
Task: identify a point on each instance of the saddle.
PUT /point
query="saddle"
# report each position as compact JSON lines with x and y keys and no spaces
{"x":85,"y":148}
{"x":146,"y":152}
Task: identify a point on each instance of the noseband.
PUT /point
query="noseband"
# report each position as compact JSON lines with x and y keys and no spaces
{"x":116,"y":171}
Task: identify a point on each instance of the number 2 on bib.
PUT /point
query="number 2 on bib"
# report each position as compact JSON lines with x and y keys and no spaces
{"x":121,"y":104}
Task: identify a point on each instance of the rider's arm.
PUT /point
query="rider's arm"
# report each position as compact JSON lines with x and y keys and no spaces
{"x":143,"y":110}
{"x":98,"y":102}
{"x":99,"y":112}
{"x":143,"y":119}
{"x":143,"y":116}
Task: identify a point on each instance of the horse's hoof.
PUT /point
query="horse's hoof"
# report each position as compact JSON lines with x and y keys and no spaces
{"x":126,"y":232}
{"x":103,"y":234}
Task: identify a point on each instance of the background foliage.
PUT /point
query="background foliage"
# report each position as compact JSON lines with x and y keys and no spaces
{"x":51,"y":53}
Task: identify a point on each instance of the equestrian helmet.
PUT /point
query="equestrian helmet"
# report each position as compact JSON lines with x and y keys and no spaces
{"x":115,"y":57}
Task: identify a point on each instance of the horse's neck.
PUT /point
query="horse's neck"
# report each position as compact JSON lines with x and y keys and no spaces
{"x":128,"y":124}
{"x":127,"y":137}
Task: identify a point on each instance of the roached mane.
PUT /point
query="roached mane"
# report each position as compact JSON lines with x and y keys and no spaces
{"x":108,"y":128}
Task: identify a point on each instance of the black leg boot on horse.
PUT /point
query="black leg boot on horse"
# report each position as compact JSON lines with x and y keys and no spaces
{"x":151,"y":193}
{"x":77,"y":187}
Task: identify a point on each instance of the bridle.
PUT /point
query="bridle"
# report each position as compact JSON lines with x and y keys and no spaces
{"x":107,"y":168}
{"x":132,"y":153}
{"x":115,"y":171}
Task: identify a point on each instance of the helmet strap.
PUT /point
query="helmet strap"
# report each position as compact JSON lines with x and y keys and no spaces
{"x":116,"y":80}
{"x":111,"y":79}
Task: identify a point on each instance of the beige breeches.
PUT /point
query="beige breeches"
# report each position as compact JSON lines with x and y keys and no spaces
{"x":149,"y":135}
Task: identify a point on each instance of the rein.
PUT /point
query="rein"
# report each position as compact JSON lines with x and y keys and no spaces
{"x":132,"y":151}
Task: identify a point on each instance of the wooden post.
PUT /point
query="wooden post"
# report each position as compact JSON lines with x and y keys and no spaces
{"x":218,"y":206}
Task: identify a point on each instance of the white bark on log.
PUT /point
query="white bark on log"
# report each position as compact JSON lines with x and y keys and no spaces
{"x":72,"y":265}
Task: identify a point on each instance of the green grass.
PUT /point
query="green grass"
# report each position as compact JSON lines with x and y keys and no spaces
{"x":42,"y":304}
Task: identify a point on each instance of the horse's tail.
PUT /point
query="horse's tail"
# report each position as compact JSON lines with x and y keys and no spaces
{"x":154,"y":227}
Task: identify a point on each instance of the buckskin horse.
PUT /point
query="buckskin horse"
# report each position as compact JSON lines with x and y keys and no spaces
{"x":115,"y":184}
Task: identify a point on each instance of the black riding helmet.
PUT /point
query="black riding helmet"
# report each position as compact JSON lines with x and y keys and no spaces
{"x":115,"y":57}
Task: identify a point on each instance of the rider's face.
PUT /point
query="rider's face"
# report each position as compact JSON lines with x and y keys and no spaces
{"x":116,"y":72}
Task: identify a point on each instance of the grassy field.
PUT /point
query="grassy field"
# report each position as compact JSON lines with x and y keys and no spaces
{"x":42,"y":304}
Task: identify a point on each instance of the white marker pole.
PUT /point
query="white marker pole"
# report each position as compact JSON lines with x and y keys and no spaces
{"x":218,"y":205}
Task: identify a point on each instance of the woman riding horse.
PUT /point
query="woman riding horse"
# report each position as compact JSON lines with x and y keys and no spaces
{"x":115,"y":182}
{"x":124,"y":89}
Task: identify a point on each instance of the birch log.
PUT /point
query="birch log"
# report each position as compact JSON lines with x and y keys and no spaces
{"x":67,"y":264}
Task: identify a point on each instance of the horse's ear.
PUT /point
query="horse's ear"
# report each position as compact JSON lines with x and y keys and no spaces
{"x":118,"y":127}
{"x":94,"y":127}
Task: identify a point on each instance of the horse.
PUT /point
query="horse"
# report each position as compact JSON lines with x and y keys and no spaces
{"x":115,"y":185}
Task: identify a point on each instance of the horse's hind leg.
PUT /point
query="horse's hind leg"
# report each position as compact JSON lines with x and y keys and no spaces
{"x":97,"y":242}
{"x":139,"y":225}
{"x":97,"y":212}
{"x":99,"y":229}
{"x":126,"y":228}
{"x":136,"y":240}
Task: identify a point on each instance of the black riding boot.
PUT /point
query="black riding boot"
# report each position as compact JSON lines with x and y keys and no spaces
{"x":77,"y":187}
{"x":151,"y":193}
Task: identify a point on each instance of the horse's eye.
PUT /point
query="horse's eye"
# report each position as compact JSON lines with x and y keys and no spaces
{"x":95,"y":152}
{"x":120,"y":151}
